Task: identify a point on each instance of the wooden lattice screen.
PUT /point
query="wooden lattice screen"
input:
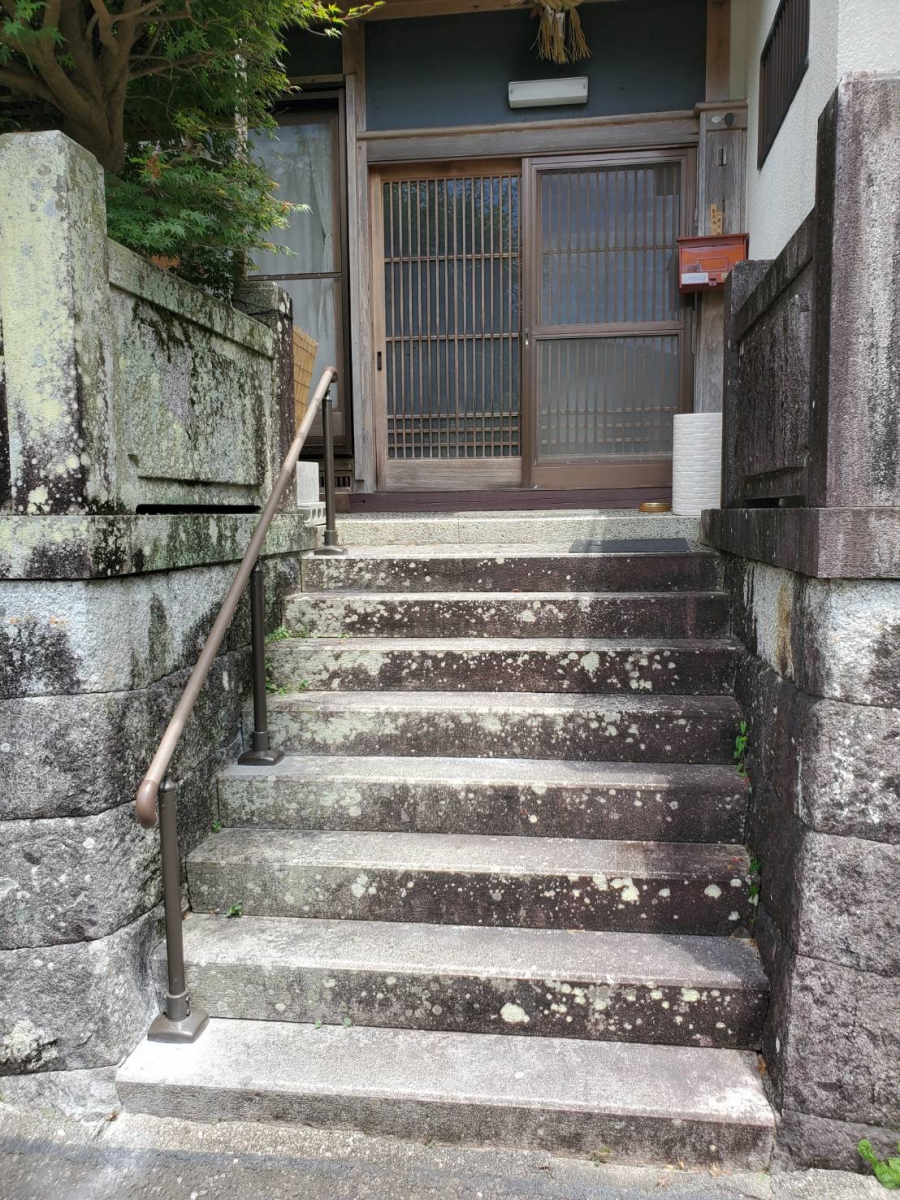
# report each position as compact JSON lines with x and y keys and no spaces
{"x":305,"y":348}
{"x":451,"y":297}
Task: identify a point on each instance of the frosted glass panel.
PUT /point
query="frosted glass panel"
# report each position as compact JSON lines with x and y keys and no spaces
{"x":608,"y":245}
{"x":301,"y":159}
{"x":609,"y":397}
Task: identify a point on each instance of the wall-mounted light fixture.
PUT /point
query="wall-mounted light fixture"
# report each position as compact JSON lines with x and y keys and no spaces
{"x":542,"y":93}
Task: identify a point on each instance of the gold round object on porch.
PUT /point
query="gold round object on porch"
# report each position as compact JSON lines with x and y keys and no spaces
{"x":655,"y":506}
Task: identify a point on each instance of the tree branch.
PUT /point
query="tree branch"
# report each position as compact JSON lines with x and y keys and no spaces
{"x":103,"y":21}
{"x":51,"y":14}
{"x":26,"y":83}
{"x":74,"y":30}
{"x":190,"y":60}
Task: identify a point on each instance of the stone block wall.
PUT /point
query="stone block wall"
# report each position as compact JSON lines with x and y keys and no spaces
{"x":139,"y":421}
{"x":91,"y":667}
{"x":810,"y":530}
{"x":122,"y":388}
{"x":820,"y":687}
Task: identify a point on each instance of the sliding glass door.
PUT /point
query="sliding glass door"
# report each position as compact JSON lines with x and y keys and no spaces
{"x":606,"y":339}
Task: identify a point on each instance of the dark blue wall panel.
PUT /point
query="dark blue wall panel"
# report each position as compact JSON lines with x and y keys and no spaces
{"x":312,"y":53}
{"x":646,"y":56}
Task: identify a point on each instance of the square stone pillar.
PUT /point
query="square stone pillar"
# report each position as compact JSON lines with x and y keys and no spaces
{"x":54,"y":312}
{"x":854,"y":441}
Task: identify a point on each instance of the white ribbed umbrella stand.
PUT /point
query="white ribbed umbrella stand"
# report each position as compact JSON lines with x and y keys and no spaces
{"x":696,"y":463}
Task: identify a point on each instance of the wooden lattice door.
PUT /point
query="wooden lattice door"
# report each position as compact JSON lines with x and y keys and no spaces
{"x":447,"y":326}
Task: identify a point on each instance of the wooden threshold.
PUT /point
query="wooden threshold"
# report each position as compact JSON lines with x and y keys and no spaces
{"x":515,"y":499}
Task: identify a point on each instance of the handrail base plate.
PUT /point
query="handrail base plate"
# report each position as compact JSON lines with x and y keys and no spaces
{"x":260,"y":758}
{"x":188,"y":1029}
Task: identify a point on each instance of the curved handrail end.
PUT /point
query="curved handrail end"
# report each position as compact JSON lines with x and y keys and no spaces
{"x":145,"y":802}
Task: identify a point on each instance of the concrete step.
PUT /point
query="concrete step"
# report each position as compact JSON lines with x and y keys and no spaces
{"x":512,"y":568}
{"x":547,"y":528}
{"x":684,"y":991}
{"x":595,"y":665}
{"x":464,"y":879}
{"x":624,"y":1101}
{"x":530,"y":797}
{"x":509,"y":614}
{"x":658,"y":729}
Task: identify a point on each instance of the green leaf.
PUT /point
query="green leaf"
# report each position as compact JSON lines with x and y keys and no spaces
{"x":887,"y":1170}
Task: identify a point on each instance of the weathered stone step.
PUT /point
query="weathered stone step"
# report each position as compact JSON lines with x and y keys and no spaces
{"x":463,"y":879}
{"x":509,"y":569}
{"x":640,"y":1103}
{"x":658,"y":729}
{"x":589,"y":665}
{"x":532,"y":797}
{"x":684,"y":991}
{"x":546,"y":528}
{"x":509,"y":614}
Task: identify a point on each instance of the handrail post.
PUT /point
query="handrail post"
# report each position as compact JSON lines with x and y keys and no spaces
{"x":260,"y":754}
{"x":177,"y":1022}
{"x":329,"y":545}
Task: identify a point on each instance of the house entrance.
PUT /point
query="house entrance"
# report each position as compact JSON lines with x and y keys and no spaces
{"x":528,"y":326}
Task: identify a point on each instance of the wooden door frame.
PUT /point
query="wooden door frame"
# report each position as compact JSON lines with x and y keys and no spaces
{"x":657,"y":469}
{"x":428,"y":474}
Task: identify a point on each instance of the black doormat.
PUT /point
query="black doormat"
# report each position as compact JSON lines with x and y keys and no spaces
{"x":633,"y":546}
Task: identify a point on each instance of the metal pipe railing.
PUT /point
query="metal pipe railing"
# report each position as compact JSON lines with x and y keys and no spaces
{"x":178,"y":1023}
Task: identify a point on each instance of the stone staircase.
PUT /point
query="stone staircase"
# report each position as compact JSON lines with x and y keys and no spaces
{"x":495,"y":892}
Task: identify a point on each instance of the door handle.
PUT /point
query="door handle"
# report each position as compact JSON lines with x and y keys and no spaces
{"x":378,"y":361}
{"x":527,"y":338}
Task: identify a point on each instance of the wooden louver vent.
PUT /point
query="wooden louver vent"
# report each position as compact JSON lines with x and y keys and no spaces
{"x":782,"y":66}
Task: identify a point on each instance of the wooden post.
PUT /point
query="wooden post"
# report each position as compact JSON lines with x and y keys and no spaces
{"x":360,"y":264}
{"x":720,"y":194}
{"x":718,"y":49}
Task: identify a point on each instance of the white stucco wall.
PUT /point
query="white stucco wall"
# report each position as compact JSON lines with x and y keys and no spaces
{"x":845,"y":35}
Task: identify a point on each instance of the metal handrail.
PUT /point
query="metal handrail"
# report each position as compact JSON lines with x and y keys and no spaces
{"x":146,"y":796}
{"x":178,"y":1023}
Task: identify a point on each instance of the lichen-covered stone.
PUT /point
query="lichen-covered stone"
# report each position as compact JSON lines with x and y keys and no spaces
{"x":848,"y":908}
{"x":88,"y":1094}
{"x":525,"y":798}
{"x":194,"y":391}
{"x":686,"y":991}
{"x":856,"y":1014}
{"x":538,"y":883}
{"x":693,"y":729}
{"x":620,"y":667}
{"x":77,"y":1005}
{"x":57,"y":342}
{"x":834,"y":764}
{"x":66,"y":879}
{"x":71,"y":879}
{"x":509,"y":614}
{"x":446,"y":569}
{"x":832,"y":638}
{"x":805,"y":1141}
{"x":82,"y":754}
{"x":91,"y":547}
{"x":123,"y":634}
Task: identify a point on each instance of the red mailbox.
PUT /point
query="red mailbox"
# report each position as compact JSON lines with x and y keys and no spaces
{"x":704,"y":262}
